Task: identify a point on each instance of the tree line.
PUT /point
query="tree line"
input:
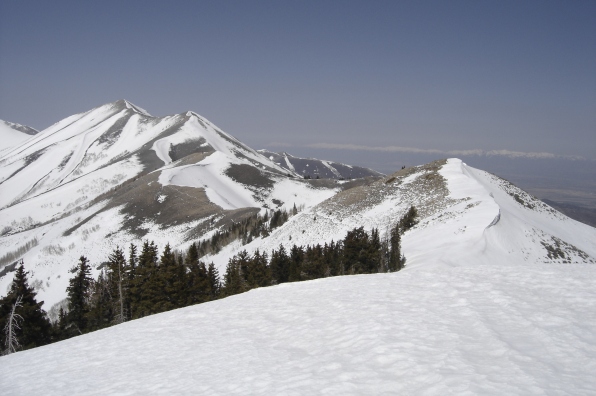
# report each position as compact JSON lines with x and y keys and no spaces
{"x":144,"y":283}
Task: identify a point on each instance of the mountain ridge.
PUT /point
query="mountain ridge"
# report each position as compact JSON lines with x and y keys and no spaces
{"x":115,"y":175}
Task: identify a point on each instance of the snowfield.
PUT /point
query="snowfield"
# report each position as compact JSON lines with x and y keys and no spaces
{"x":431,"y":330}
{"x":13,"y":135}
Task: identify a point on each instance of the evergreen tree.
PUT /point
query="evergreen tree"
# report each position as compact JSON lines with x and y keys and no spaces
{"x":214,"y":283}
{"x":35,"y":328}
{"x":296,"y":260}
{"x":59,"y":328}
{"x":280,"y":265}
{"x":171,"y":282}
{"x":198,"y":283}
{"x":233,"y":280}
{"x":259,"y":274}
{"x":165,"y":282}
{"x":374,"y":252}
{"x":144,"y":288}
{"x":356,"y":251}
{"x":78,"y":291}
{"x":117,"y":280}
{"x":396,"y":260}
{"x":100,"y":306}
{"x":132,"y":257}
{"x":409,"y":220}
{"x":333,"y":260}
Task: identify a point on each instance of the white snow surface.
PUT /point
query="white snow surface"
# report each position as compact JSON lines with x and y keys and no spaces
{"x":433,"y":330}
{"x":11,"y":137}
{"x":209,"y":174}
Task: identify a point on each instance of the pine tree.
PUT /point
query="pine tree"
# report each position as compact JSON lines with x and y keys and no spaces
{"x":35,"y":327}
{"x":213,"y":281}
{"x":296,"y":261}
{"x":233,"y":279}
{"x":170,"y":292}
{"x":118,"y":283}
{"x":60,"y":326}
{"x":280,"y":265}
{"x":132,"y":257}
{"x":198,"y":283}
{"x":100,"y":306}
{"x":409,"y":220}
{"x":78,"y":291}
{"x":356,"y":251}
{"x":143,"y":290}
{"x":374,"y":252}
{"x":396,"y":260}
{"x":259,"y":274}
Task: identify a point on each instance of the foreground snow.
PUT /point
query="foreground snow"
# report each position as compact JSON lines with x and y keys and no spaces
{"x":431,"y":330}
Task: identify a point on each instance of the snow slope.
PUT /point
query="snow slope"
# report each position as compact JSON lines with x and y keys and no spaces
{"x":12,"y":135}
{"x":464,"y":212}
{"x":466,"y":330}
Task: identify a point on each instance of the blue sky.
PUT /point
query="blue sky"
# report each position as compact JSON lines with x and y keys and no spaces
{"x":426,"y":78}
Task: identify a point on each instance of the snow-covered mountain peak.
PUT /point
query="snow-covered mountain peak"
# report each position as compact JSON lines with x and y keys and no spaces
{"x":126,"y":175}
{"x":135,"y":108}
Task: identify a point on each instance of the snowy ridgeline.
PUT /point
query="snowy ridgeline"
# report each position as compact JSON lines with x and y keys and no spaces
{"x":436,"y":330}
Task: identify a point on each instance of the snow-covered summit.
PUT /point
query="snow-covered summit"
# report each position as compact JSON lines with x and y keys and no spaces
{"x":115,"y":174}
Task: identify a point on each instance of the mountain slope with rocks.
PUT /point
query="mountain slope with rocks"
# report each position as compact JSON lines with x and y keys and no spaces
{"x":116,"y":175}
{"x":316,"y":168}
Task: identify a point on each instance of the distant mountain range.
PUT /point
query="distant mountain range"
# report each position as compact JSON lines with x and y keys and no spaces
{"x":315,"y":168}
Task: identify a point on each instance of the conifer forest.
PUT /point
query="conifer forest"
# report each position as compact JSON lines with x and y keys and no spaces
{"x":142,"y":280}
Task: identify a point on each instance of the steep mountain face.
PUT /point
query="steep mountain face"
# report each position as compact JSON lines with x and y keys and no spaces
{"x":116,"y":175}
{"x":12,"y":135}
{"x":315,"y":168}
